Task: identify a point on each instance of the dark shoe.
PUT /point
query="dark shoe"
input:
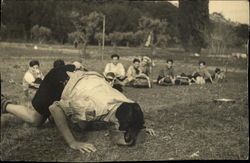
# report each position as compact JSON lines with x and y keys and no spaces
{"x":4,"y":102}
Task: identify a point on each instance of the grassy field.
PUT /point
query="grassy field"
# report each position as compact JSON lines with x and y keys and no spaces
{"x":188,"y":124}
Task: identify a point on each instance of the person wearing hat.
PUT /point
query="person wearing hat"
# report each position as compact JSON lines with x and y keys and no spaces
{"x":80,"y":97}
{"x":32,"y":78}
{"x":146,"y":65}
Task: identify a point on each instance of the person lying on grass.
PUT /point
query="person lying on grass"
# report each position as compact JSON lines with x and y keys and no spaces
{"x":81,"y":97}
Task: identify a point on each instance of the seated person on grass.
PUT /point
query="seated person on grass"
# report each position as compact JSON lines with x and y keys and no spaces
{"x":114,"y":72}
{"x":201,"y":74}
{"x":135,"y":77}
{"x":166,"y":76}
{"x":146,"y":65}
{"x":218,"y":76}
{"x":32,"y":79}
{"x":78,"y":96}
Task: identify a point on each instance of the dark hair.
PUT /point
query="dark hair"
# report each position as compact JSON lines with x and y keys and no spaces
{"x":58,"y":63}
{"x":136,"y":60}
{"x":115,"y":55}
{"x":204,"y":63}
{"x":131,"y":120}
{"x":217,"y":70}
{"x":170,"y":60}
{"x":33,"y":63}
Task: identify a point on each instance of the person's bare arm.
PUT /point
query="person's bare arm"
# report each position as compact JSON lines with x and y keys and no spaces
{"x":35,"y":85}
{"x":61,"y":123}
{"x":208,"y":75}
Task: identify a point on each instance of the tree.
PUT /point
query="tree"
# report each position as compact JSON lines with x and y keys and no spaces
{"x":225,"y":34}
{"x":86,"y":27}
{"x":140,"y":37}
{"x":60,"y":22}
{"x":242,"y":32}
{"x":193,"y":24}
{"x":3,"y":32}
{"x":128,"y":38}
{"x":40,"y":34}
{"x":98,"y":37}
{"x":121,"y":16}
{"x":115,"y":38}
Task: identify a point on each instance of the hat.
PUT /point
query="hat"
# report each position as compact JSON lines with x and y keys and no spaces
{"x":146,"y":58}
{"x":78,"y":65}
{"x":110,"y":75}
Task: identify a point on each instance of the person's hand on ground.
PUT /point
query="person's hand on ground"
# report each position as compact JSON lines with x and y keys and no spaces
{"x":150,"y":131}
{"x":82,"y":146}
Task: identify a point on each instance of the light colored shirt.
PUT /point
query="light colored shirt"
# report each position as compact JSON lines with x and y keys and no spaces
{"x":118,"y":69}
{"x":203,"y":72}
{"x":88,"y":96}
{"x":30,"y":77}
{"x":132,"y":73}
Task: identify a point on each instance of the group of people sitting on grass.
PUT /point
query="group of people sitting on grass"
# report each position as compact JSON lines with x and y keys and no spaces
{"x":200,"y":75}
{"x":137,"y":74}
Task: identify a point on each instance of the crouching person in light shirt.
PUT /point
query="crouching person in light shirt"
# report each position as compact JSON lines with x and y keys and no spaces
{"x":32,"y":79}
{"x":81,"y":97}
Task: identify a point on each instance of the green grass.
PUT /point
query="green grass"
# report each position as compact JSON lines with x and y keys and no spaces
{"x":185,"y":118}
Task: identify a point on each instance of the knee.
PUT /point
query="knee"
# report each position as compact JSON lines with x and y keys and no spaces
{"x":37,"y":120}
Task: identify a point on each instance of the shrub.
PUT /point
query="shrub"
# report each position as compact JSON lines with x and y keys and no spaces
{"x":40,"y":34}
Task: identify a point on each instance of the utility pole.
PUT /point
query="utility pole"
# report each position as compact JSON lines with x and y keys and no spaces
{"x":103,"y":36}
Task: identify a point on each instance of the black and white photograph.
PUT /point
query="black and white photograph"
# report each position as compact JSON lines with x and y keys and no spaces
{"x":161,"y":80}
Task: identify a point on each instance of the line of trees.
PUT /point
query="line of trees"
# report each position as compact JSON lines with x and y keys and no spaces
{"x":128,"y":23}
{"x":19,"y":17}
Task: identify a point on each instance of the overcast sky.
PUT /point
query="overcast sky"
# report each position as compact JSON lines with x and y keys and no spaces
{"x":235,"y":10}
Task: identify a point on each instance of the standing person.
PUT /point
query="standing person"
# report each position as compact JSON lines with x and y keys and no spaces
{"x":32,"y":79}
{"x":201,"y":75}
{"x":167,"y":76}
{"x":81,"y":97}
{"x":115,"y":72}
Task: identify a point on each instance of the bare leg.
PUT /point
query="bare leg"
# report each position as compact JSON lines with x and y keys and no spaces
{"x":26,"y":114}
